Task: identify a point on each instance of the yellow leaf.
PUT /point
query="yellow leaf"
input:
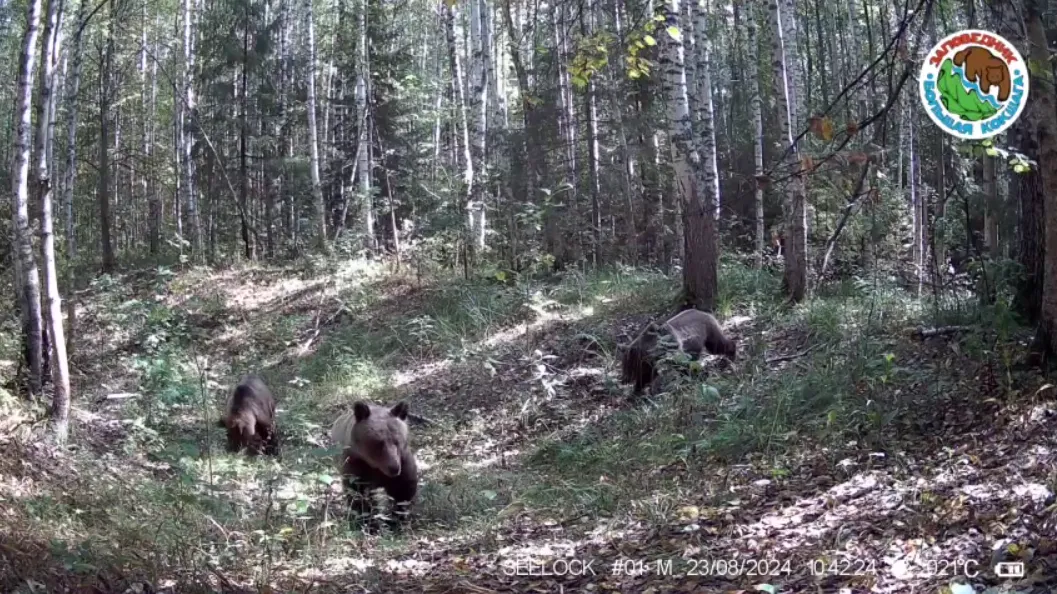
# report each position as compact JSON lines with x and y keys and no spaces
{"x":675,"y":33}
{"x":815,"y":125}
{"x":827,"y":129}
{"x":649,"y":40}
{"x":689,"y":513}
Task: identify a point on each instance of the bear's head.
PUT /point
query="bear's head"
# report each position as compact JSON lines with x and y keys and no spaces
{"x":379,"y":435}
{"x":242,"y":433}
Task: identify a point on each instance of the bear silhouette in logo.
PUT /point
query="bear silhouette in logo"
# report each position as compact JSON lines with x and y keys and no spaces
{"x":985,"y":69}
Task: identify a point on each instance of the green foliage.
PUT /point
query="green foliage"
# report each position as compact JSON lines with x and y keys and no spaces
{"x":590,"y":57}
{"x":958,"y":100}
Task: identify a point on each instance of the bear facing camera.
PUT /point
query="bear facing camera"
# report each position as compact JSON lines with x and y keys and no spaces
{"x":375,"y":454}
{"x":249,"y":418}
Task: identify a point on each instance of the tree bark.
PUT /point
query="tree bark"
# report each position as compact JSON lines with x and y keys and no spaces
{"x":27,"y":275}
{"x":795,"y":232}
{"x":1045,"y":108}
{"x":693,"y":177}
{"x":313,"y":133}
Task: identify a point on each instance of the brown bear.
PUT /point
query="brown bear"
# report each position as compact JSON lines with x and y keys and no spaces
{"x":249,"y":418}
{"x":375,"y":454}
{"x":985,"y":69}
{"x":692,"y":330}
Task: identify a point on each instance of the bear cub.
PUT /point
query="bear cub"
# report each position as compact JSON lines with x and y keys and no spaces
{"x":249,"y":418}
{"x":375,"y":454}
{"x":692,"y":331}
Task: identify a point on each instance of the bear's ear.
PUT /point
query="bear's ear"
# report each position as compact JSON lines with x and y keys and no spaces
{"x":400,"y":410}
{"x":221,"y":423}
{"x":361,"y":410}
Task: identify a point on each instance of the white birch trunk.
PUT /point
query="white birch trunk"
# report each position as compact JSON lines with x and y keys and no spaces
{"x":187,"y":133}
{"x":60,"y":410}
{"x":27,"y":274}
{"x":313,"y":132}
{"x":756,"y":113}
{"x":795,"y":231}
{"x":700,"y":258}
{"x":706,"y":135}
{"x":363,"y":154}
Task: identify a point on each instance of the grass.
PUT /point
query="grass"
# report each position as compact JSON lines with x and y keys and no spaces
{"x":163,"y":496}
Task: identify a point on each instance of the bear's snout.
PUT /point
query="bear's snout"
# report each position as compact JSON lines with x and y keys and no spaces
{"x":392,"y":469}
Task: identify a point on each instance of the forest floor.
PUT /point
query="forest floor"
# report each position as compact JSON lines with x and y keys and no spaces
{"x":839,"y":454}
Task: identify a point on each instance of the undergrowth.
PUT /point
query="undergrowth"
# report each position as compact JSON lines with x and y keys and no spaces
{"x":832,"y":370}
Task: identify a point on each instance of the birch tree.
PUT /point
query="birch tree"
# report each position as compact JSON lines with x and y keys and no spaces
{"x":60,"y":410}
{"x":463,"y":136}
{"x":70,"y":174}
{"x":363,"y":150}
{"x":188,"y":125}
{"x":26,"y":273}
{"x":313,"y":133}
{"x":693,"y":181}
{"x":480,"y":76}
{"x":752,"y":74}
{"x":794,"y":205}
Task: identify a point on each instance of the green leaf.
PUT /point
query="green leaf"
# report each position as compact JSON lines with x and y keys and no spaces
{"x":649,"y":40}
{"x":991,"y":152}
{"x":675,"y":33}
{"x":958,"y":100}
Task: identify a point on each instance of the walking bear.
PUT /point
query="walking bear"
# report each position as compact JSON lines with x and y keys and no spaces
{"x":375,"y":454}
{"x":249,"y":418}
{"x":692,"y":330}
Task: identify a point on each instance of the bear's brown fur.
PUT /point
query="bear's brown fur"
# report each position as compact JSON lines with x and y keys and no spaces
{"x":249,"y":418}
{"x":986,"y":69}
{"x":692,"y":330}
{"x":375,"y":454}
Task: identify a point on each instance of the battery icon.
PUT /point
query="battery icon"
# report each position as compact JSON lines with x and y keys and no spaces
{"x":1009,"y":569}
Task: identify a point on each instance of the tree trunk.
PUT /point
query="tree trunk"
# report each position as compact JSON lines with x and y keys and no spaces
{"x":795,"y":232}
{"x":752,"y":73}
{"x":693,"y":176}
{"x":313,"y":134}
{"x":249,"y":247}
{"x":466,"y":160}
{"x":53,"y":313}
{"x":188,"y":132}
{"x":27,"y":275}
{"x":103,"y":189}
{"x":363,"y":150}
{"x":1027,"y":188}
{"x":593,"y":151}
{"x":1045,"y":108}
{"x":71,"y":171}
